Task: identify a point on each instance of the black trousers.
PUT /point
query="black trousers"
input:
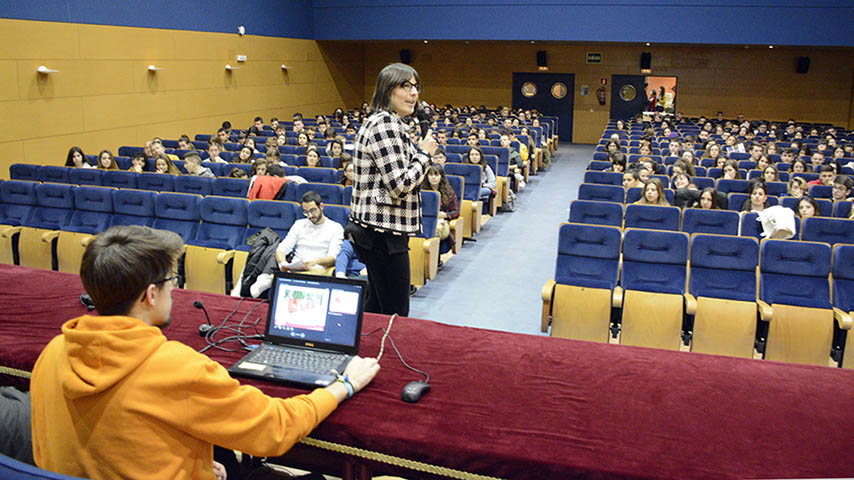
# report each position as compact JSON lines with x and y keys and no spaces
{"x":386,"y":257}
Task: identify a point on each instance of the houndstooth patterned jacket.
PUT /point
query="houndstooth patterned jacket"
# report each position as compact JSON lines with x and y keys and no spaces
{"x":388,"y":171}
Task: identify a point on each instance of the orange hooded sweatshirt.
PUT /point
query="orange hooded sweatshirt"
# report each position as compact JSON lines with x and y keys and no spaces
{"x":112,"y":398}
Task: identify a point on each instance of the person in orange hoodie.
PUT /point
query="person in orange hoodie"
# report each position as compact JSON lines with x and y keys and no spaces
{"x":113,"y":398}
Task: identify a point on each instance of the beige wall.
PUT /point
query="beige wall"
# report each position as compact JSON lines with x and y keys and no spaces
{"x":104,"y":97}
{"x":759,"y":82}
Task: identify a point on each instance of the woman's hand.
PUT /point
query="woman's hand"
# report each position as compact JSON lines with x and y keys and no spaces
{"x":428,"y":144}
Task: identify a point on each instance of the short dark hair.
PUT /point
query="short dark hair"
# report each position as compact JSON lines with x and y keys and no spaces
{"x":826,"y":168}
{"x":226,"y":125}
{"x":312,"y":196}
{"x":845,"y":181}
{"x":130,"y":256}
{"x":273,"y":119}
{"x":391,"y":76}
{"x":258,"y":119}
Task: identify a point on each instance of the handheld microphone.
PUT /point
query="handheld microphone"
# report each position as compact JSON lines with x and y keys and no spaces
{"x":423,"y":119}
{"x":205,"y":327}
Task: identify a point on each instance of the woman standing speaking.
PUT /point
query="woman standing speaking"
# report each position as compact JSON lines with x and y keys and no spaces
{"x":386,"y":202}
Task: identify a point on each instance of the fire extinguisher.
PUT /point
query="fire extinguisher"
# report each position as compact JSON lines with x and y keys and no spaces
{"x":600,"y":93}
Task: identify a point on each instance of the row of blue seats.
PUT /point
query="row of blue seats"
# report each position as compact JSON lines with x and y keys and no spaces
{"x":663,"y":269}
{"x":825,"y":229}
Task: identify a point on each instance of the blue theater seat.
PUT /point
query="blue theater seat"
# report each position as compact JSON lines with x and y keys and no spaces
{"x":596,"y":213}
{"x":843,"y":296}
{"x":192,"y":184}
{"x":602,"y":193}
{"x":157,"y":182}
{"x":828,"y":230}
{"x":23,"y":171}
{"x":133,"y":207}
{"x":719,"y":222}
{"x":120,"y":179}
{"x":652,"y":217}
{"x":177,"y":212}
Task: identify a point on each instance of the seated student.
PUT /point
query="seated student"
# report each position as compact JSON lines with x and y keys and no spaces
{"x":631,"y":179}
{"x":334,"y":148}
{"x":184,"y":143}
{"x":193,"y":165}
{"x":250,"y":142}
{"x":515,"y":163}
{"x":800,"y":166}
{"x":681,"y":166}
{"x":214,"y":149}
{"x":315,"y":240}
{"x":158,"y":149}
{"x":708,"y":199}
{"x":825,"y":176}
{"x":612,"y":146}
{"x":347,"y":265}
{"x":758,"y":199}
{"x":797,"y":187}
{"x":618,"y":162}
{"x":113,"y":398}
{"x":274,"y":156}
{"x":76,"y":158}
{"x":222,"y":137}
{"x":690,"y":160}
{"x":106,"y":161}
{"x":682,"y":181}
{"x":138,"y":162}
{"x":807,"y":207}
{"x":770,"y":174}
{"x":439,"y":156}
{"x":345,"y":178}
{"x":163,"y":164}
{"x":488,"y":187}
{"x":435,"y":181}
{"x":731,"y":171}
{"x":238,"y":173}
{"x":816,"y":160}
{"x":302,"y":139}
{"x":762,"y":162}
{"x":246,"y":155}
{"x":842,"y":185}
{"x":653,"y":194}
{"x":312,"y":156}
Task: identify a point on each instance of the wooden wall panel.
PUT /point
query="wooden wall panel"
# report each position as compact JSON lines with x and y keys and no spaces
{"x":104,"y":96}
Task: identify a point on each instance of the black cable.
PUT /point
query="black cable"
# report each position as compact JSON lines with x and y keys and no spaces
{"x":239,"y":336}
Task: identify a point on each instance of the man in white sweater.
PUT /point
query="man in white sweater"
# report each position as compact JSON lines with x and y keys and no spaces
{"x":314,"y":240}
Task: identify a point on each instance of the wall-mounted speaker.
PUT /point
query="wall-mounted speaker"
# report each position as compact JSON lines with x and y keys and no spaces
{"x":803,"y":65}
{"x":542,"y":61}
{"x":405,"y":56}
{"x":646,"y":61}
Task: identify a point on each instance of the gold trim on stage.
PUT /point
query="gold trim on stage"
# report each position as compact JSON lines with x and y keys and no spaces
{"x":14,"y":372}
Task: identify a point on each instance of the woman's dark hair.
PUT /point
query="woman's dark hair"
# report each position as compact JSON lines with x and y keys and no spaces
{"x":254,"y":169}
{"x":618,"y":158}
{"x":713,"y":193}
{"x":390,"y":77}
{"x":237,"y":173}
{"x":482,"y":162}
{"x":733,"y":164}
{"x":445,"y":190}
{"x":132,"y":256}
{"x":251,"y":155}
{"x":112,"y":166}
{"x":754,"y":184}
{"x":811,"y":201}
{"x":69,"y":160}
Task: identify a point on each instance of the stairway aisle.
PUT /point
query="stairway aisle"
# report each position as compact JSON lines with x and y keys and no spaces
{"x":495,"y":282}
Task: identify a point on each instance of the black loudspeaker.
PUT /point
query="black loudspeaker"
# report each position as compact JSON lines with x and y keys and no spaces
{"x":405,"y":56}
{"x":646,"y":61}
{"x":541,"y":59}
{"x":803,"y":65}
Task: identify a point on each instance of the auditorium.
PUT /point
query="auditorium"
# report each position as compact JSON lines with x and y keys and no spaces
{"x":627,"y":230}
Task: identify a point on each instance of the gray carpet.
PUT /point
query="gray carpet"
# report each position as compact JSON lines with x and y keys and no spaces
{"x":495,"y":282}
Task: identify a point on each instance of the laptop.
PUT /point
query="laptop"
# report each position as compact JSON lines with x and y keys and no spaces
{"x":314,"y":324}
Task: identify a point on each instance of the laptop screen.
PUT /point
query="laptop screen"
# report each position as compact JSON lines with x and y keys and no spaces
{"x":316,"y":311}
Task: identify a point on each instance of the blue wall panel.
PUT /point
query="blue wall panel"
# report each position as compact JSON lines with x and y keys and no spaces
{"x":780,"y":22}
{"x":277,"y":18}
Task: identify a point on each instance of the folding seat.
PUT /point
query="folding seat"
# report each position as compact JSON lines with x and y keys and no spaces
{"x":457,"y":185}
{"x":472,"y":207}
{"x":177,"y":212}
{"x":700,"y":171}
{"x":726,"y":186}
{"x":337,"y":213}
{"x":653,"y":282}
{"x":722,"y":294}
{"x":794,"y":298}
{"x":598,"y":165}
{"x":600,"y":154}
{"x":670,"y":160}
{"x":243,"y":166}
{"x":329,"y":193}
{"x":216,"y":168}
{"x":828,"y":230}
{"x":120,"y":179}
{"x":223,"y":228}
{"x":634,"y":194}
{"x":17,"y":198}
{"x":289,"y":170}
{"x":602,"y":193}
{"x":54,"y":206}
{"x":157,"y":182}
{"x":579,"y":299}
{"x":133,"y":207}
{"x":806,"y":176}
{"x":231,"y":187}
{"x":747,"y":165}
{"x":736,"y":201}
{"x":776,"y":188}
{"x":53,"y":174}
{"x":719,"y":222}
{"x":170,"y":144}
{"x":192,"y":184}
{"x":703,"y":182}
{"x":86,"y":176}
{"x":201,"y":142}
{"x":596,"y":213}
{"x":347,"y":195}
{"x":130,"y":151}
{"x":318,"y":174}
{"x":603,"y":178}
{"x":751,"y":227}
{"x":715,"y":172}
{"x":843,"y":296}
{"x":842,"y":209}
{"x":821,"y":191}
{"x":739,"y":156}
{"x":825,"y":207}
{"x":652,"y":217}
{"x":23,"y":171}
{"x":93,"y":211}
{"x":424,"y":247}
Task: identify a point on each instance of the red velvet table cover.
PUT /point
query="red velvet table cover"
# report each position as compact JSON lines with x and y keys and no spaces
{"x":520,"y":406}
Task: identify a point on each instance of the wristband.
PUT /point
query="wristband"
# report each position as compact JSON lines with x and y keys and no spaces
{"x":345,"y":379}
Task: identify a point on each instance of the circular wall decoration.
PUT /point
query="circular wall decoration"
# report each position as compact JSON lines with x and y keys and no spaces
{"x":628,"y":93}
{"x":529,"y":89}
{"x":559,"y":90}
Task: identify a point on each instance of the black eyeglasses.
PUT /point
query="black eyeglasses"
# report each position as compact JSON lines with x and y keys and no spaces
{"x":173,"y":279}
{"x":408,"y":86}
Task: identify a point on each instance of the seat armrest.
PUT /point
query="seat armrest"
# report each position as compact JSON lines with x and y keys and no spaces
{"x":8,"y":232}
{"x":843,"y":319}
{"x":617,"y":297}
{"x":765,"y":310}
{"x":690,"y":304}
{"x":224,"y":257}
{"x":50,"y":236}
{"x":428,"y":243}
{"x":85,"y":241}
{"x":547,"y":293}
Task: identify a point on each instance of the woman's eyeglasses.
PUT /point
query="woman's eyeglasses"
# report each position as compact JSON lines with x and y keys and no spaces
{"x":408,"y":86}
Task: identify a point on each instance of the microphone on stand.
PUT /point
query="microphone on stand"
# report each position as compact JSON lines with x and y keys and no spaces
{"x":205,"y":327}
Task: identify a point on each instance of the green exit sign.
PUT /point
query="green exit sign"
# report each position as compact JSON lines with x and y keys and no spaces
{"x":594,"y":58}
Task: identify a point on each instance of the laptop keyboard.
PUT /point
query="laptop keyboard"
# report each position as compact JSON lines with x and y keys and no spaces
{"x":313,"y":361}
